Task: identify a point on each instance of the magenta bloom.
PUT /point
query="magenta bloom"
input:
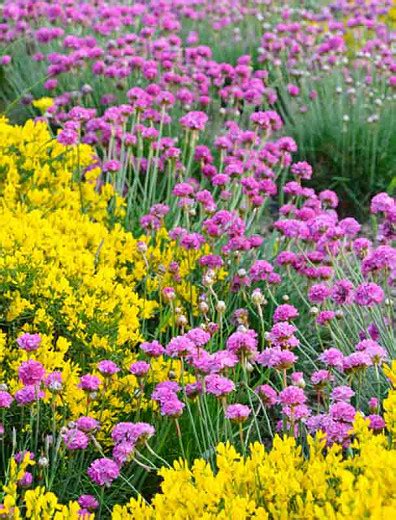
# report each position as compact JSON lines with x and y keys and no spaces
{"x":89,"y":383}
{"x":31,"y":372}
{"x":75,"y":440}
{"x":318,"y":293}
{"x":282,"y":335}
{"x":377,"y":423}
{"x":198,"y":336}
{"x":194,"y":120}
{"x":103,"y":471}
{"x":267,"y":394}
{"x":276,"y":358}
{"x":285,"y":312}
{"x":356,"y":361}
{"x":243,"y":344}
{"x":342,"y":292}
{"x":5,"y":399}
{"x":342,"y":393}
{"x":153,"y":348}
{"x":179,"y":346}
{"x":107,"y":368}
{"x":368,"y":294}
{"x":172,"y":408}
{"x":139,"y":368}
{"x":26,"y":480}
{"x":87,"y":424}
{"x":292,"y":396}
{"x":132,"y":432}
{"x":342,"y":411}
{"x":321,"y":377}
{"x":332,"y":357}
{"x":29,"y":342}
{"x":88,"y":502}
{"x":218,"y":385}
{"x":28,"y":395}
{"x":237,"y":412}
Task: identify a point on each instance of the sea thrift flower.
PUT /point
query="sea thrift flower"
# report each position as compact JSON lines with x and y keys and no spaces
{"x":31,"y":372}
{"x":377,"y":423}
{"x":194,"y":120}
{"x":139,"y":368}
{"x":368,"y":294}
{"x":198,"y":336}
{"x":28,"y":395}
{"x":320,"y":378}
{"x":243,"y":343}
{"x":54,"y":381}
{"x":89,"y":383}
{"x":237,"y":412}
{"x":29,"y":342}
{"x":88,"y":502}
{"x":26,"y":481}
{"x":87,"y":424}
{"x":285,"y":312}
{"x":342,"y":411}
{"x":292,"y":396}
{"x":107,"y":368}
{"x":172,"y":408}
{"x":218,"y":385}
{"x":318,"y":293}
{"x":342,"y":393}
{"x":152,"y":349}
{"x":103,"y":471}
{"x":75,"y":439}
{"x":282,"y":335}
{"x":267,"y":394}
{"x":332,"y":357}
{"x":356,"y":361}
{"x":5,"y":399}
{"x":179,"y":346}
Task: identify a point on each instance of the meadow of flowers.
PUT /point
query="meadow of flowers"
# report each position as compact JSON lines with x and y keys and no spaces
{"x":197,"y":259}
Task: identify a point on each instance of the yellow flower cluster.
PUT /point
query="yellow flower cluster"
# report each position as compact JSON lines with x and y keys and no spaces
{"x":283,"y":483}
{"x":73,"y":276}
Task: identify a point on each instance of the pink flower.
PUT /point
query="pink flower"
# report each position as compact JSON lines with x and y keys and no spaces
{"x":292,"y":396}
{"x":103,"y":471}
{"x":172,"y":408}
{"x":342,"y":393}
{"x":342,"y":411}
{"x":75,"y":440}
{"x":88,"y":502}
{"x":267,"y":394}
{"x":89,"y":383}
{"x":368,"y":294}
{"x":107,"y":368}
{"x":218,"y":385}
{"x":194,"y":120}
{"x":28,"y":395}
{"x":377,"y":423}
{"x":285,"y":312}
{"x":87,"y":424}
{"x":31,"y":372}
{"x":318,"y":293}
{"x":139,"y":368}
{"x":5,"y":399}
{"x":237,"y":412}
{"x":29,"y":342}
{"x":332,"y":357}
{"x":179,"y":346}
{"x":243,"y":343}
{"x":153,"y":348}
